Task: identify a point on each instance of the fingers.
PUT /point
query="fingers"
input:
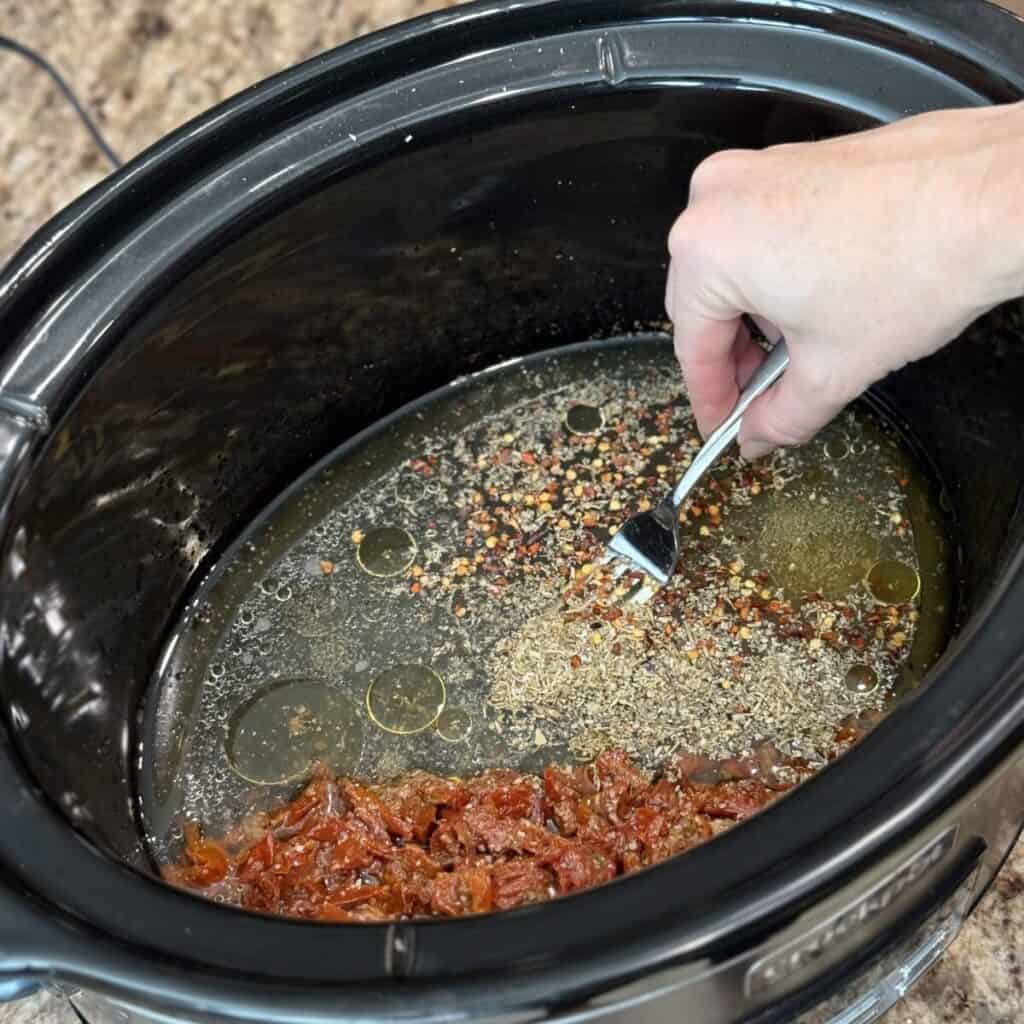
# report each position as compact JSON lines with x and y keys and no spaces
{"x":713,"y":346}
{"x":790,"y":413}
{"x":749,"y":356}
{"x":717,"y":359}
{"x":707,"y":347}
{"x":706,"y":350}
{"x":670,"y":292}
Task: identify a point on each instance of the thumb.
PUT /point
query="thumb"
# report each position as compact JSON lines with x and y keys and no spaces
{"x":789,"y":413}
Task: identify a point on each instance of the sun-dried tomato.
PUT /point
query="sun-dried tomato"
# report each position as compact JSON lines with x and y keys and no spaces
{"x":207,"y":863}
{"x":347,"y":851}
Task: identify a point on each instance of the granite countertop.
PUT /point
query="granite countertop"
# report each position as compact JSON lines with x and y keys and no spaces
{"x":145,"y":66}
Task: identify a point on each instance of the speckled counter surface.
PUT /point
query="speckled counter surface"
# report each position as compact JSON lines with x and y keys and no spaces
{"x":145,"y":66}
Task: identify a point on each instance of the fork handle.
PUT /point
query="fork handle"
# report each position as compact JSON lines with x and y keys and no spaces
{"x":760,"y":381}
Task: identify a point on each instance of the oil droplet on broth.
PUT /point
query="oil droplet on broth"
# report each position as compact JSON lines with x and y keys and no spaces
{"x":277,"y":735}
{"x":836,"y":448}
{"x":584,"y":419}
{"x":892,"y":582}
{"x":453,"y":724}
{"x":406,"y":699}
{"x":861,"y":679}
{"x":387,"y":551}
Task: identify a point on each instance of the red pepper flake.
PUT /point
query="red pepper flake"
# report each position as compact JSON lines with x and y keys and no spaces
{"x":575,"y":661}
{"x":529,"y":458}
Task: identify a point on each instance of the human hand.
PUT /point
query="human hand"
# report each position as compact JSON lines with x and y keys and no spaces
{"x":866,"y":252}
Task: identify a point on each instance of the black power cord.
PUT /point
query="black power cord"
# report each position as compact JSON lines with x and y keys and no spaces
{"x":40,"y":62}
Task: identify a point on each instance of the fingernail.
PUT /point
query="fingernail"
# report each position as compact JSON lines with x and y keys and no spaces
{"x":752,"y":449}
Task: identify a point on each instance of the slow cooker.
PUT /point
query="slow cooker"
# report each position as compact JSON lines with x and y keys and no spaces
{"x":195,"y":332}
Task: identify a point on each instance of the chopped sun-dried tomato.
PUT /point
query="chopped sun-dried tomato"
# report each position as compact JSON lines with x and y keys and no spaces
{"x":347,"y":851}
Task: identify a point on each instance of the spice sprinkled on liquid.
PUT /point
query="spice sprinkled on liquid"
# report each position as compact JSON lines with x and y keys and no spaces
{"x":445,"y":578}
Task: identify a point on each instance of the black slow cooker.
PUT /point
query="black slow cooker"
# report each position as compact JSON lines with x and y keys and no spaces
{"x":192,"y":334}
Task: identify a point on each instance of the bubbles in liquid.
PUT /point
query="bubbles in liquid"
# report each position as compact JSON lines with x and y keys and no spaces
{"x":216,"y":670}
{"x":409,"y":487}
{"x":269,"y":586}
{"x":453,"y":724}
{"x":387,"y":551}
{"x":277,"y":735}
{"x":584,"y":419}
{"x":861,"y":679}
{"x":372,"y":613}
{"x":406,"y":699}
{"x":246,"y":616}
{"x":283,"y":593}
{"x":892,"y":582}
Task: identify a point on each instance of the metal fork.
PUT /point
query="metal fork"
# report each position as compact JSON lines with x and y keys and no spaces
{"x":649,"y":542}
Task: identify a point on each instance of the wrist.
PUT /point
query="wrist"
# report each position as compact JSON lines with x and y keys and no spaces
{"x":1000,"y":204}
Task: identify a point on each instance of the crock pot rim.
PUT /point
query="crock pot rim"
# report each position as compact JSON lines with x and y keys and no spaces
{"x":190,"y":914}
{"x":986,"y":39}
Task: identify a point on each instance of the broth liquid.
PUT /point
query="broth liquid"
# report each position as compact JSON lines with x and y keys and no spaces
{"x":431,"y":596}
